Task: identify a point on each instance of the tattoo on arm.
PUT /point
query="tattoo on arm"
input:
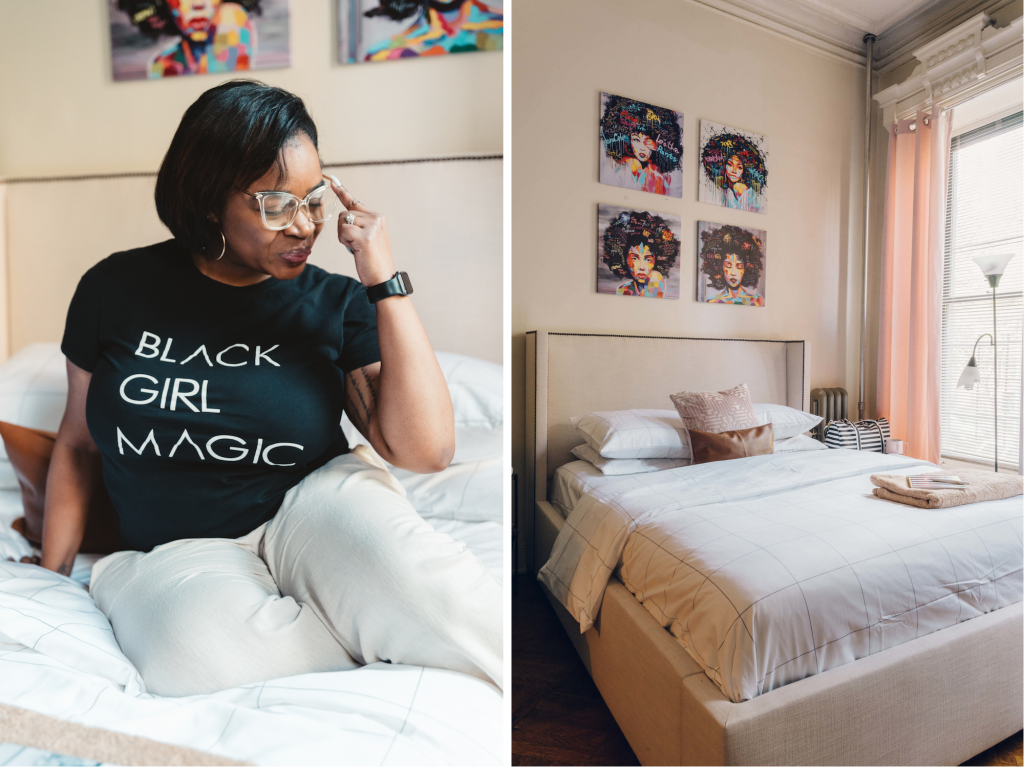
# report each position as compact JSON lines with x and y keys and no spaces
{"x":364,"y":403}
{"x":63,"y":569}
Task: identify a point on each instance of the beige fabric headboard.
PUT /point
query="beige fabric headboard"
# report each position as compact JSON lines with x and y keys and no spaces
{"x":570,"y":374}
{"x":444,"y":217}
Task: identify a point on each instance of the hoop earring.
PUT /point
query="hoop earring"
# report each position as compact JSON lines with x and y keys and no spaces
{"x":224,"y":249}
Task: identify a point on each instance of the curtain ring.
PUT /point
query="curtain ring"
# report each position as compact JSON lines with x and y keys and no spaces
{"x":224,"y":249}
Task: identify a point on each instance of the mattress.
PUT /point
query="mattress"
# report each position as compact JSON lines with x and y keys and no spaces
{"x":58,"y":657}
{"x":773,"y":568}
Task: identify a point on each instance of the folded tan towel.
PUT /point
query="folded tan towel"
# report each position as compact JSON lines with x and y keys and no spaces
{"x":985,"y":486}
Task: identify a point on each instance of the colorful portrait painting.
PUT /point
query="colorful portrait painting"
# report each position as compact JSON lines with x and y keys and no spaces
{"x":637,"y":252}
{"x":733,"y":168}
{"x":731,"y":263}
{"x":641,"y":146}
{"x":170,"y":38}
{"x":385,"y":30}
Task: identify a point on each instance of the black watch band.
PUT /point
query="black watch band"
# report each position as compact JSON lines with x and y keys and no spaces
{"x":399,"y":285}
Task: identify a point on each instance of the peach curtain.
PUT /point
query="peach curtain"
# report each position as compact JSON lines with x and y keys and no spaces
{"x":910,"y":323}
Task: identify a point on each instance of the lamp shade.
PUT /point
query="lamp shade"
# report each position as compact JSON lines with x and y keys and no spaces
{"x":969,"y":377}
{"x":993,"y":266}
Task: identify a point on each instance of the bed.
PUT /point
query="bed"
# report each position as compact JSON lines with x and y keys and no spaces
{"x":939,"y":694}
{"x":58,"y":655}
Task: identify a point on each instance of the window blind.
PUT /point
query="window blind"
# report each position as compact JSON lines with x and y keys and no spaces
{"x":984,"y":207}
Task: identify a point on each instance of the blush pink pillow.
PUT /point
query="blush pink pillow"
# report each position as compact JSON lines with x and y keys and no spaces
{"x":716,"y":411}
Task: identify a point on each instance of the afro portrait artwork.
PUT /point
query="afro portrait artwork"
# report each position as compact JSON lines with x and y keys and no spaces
{"x":733,"y":168}
{"x":386,"y":30}
{"x":170,"y":38}
{"x":731,"y":262}
{"x":637,"y":252}
{"x":641,"y":146}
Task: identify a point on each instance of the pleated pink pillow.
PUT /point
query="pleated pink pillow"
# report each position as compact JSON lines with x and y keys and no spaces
{"x":716,"y":411}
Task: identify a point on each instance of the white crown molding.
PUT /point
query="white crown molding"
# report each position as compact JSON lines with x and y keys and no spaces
{"x":967,"y":60}
{"x":833,"y":34}
{"x":898,"y":40}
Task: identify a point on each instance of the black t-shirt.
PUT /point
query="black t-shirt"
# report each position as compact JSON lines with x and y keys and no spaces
{"x":208,"y":401}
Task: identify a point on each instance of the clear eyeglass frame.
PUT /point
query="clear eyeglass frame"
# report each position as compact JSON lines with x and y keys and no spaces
{"x":262,"y":197}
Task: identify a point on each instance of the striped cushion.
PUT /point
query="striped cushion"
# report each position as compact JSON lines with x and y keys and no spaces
{"x":862,"y":435}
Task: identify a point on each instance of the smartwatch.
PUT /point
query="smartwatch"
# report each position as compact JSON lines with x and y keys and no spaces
{"x":399,"y":285}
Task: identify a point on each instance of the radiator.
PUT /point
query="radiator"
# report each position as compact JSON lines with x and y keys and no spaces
{"x":831,"y":405}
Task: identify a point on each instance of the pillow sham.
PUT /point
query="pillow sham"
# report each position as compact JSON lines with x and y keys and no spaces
{"x":611,"y":467}
{"x":470,"y":492}
{"x":727,"y":445}
{"x":788,"y":421}
{"x":634,"y":433}
{"x":798,"y":444}
{"x":714,"y":412}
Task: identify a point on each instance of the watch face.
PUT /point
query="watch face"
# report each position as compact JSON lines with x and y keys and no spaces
{"x":406,"y":283}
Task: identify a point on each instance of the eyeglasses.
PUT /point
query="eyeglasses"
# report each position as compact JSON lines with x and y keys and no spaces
{"x":279,"y":209}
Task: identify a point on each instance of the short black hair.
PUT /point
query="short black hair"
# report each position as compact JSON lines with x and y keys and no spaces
{"x":154,"y":18}
{"x":622,"y":117}
{"x":397,"y":10}
{"x":232,"y":135}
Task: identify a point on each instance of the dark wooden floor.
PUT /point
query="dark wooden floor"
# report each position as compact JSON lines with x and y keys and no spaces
{"x":558,"y":716}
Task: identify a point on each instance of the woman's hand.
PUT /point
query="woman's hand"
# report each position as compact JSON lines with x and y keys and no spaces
{"x":33,"y":560}
{"x":366,"y":238}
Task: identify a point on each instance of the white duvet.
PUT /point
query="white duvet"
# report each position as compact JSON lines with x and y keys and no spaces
{"x":58,"y":656}
{"x":772,"y":568}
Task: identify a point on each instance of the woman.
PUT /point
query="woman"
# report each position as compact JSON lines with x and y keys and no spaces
{"x":736,"y":168}
{"x":642,"y":146}
{"x":640,"y":246}
{"x":733,"y":260}
{"x":211,"y":35}
{"x":207,"y":377}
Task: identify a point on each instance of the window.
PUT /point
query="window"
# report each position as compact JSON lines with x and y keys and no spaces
{"x":983,"y":217}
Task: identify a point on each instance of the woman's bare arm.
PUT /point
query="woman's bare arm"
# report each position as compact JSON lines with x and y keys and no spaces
{"x":400,"y":404}
{"x":75,"y":471}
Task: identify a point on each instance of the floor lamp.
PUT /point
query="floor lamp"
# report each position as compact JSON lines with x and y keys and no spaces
{"x":992,"y":267}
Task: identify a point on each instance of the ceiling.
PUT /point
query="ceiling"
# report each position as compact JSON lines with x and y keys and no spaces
{"x":837,"y":27}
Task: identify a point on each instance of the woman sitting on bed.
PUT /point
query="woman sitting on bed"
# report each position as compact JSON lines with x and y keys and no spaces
{"x":207,"y":378}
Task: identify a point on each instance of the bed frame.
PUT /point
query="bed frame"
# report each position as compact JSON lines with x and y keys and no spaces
{"x":939,"y":699}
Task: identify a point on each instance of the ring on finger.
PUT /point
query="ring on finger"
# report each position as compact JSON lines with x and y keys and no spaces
{"x":355,"y":201}
{"x":350,"y":219}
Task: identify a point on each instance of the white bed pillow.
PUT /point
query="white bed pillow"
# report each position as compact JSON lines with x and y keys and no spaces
{"x":611,"y":467}
{"x":33,"y":393}
{"x":634,"y":433}
{"x":788,"y":422}
{"x":799,"y":443}
{"x":475,"y":386}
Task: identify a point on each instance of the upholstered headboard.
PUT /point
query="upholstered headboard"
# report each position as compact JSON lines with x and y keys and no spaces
{"x":570,"y":374}
{"x":444,"y":217}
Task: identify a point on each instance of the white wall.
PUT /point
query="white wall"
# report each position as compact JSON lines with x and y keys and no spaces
{"x":62,"y":114}
{"x":690,"y":58}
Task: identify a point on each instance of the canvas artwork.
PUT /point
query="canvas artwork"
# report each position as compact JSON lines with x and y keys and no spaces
{"x":731,"y":264}
{"x":637,"y":252}
{"x":733,"y":168}
{"x":641,"y":146}
{"x":169,"y":38}
{"x":383,"y":30}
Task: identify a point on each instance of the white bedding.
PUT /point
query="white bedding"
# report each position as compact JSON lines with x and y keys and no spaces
{"x":58,"y":657}
{"x":772,"y":568}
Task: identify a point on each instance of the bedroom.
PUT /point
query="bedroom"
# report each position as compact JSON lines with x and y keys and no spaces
{"x":592,"y":333}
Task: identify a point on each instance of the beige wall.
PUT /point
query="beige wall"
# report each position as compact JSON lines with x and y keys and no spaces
{"x":687,"y":57}
{"x":62,"y":113}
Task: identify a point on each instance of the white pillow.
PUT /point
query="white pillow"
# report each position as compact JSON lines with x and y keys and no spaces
{"x":33,"y":393}
{"x":634,"y":433}
{"x":788,"y":422}
{"x":475,"y":386}
{"x":471,"y":492}
{"x":611,"y":467}
{"x":799,"y":443}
